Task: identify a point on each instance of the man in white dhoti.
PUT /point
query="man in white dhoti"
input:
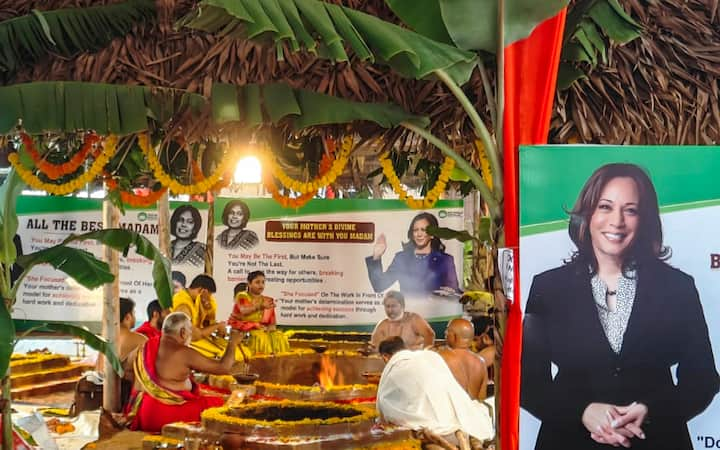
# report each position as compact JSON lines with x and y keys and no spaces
{"x":418,"y":391}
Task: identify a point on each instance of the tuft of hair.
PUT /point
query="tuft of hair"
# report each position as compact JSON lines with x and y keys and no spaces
{"x":397,"y":295}
{"x":175,"y":322}
{"x":391,"y":345}
{"x":204,"y":281}
{"x":127,"y":306}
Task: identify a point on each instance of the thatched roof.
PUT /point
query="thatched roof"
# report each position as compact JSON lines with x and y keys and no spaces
{"x":661,"y":88}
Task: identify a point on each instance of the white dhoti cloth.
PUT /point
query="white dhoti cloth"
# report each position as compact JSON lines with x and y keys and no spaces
{"x":417,"y":390}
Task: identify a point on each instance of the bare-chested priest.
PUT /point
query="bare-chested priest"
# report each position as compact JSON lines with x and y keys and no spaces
{"x":466,"y":367}
{"x":163,"y":369}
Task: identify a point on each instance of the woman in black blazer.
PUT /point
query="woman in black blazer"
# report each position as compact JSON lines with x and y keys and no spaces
{"x":613,"y":321}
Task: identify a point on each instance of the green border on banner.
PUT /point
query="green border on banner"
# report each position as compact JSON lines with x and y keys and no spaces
{"x":684,"y":186}
{"x":261,"y":209}
{"x":31,"y":204}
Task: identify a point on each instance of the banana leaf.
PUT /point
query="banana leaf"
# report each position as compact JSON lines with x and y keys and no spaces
{"x":7,"y":338}
{"x":256,"y":104}
{"x":71,"y":105}
{"x":121,"y":240}
{"x":90,"y":272}
{"x":94,"y":341}
{"x":472,"y":24}
{"x":9,"y":192}
{"x":326,"y":29}
{"x":26,"y":39}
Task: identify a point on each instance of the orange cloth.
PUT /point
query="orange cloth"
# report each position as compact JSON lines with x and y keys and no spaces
{"x":155,"y":405}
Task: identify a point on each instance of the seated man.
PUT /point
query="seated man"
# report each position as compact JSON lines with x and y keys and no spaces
{"x":413,"y":329}
{"x":466,"y":367}
{"x":127,"y":341}
{"x":418,"y":391}
{"x":163,"y":372}
{"x":198,"y":302}
{"x":153,"y":326}
{"x":255,"y":313}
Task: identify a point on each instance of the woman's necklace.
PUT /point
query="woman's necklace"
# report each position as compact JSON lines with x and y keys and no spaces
{"x":610,"y":293}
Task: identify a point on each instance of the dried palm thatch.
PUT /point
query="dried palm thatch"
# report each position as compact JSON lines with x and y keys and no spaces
{"x":662,"y":88}
{"x":659,"y":89}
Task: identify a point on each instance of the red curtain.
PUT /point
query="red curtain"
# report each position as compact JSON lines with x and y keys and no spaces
{"x":530,"y":76}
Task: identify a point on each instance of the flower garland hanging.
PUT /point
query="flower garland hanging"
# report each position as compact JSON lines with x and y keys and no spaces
{"x":322,"y":180}
{"x":55,"y":171}
{"x":211,"y":183}
{"x":431,"y":196}
{"x":132,"y":199}
{"x":27,"y":175}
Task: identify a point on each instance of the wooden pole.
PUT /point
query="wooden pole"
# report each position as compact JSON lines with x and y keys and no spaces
{"x":163,"y":209}
{"x":111,"y":311}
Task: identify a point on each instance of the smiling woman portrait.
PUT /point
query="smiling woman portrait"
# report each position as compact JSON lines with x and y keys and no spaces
{"x":421,"y":268}
{"x":235,"y":217}
{"x":185,"y":224}
{"x":603,"y":332}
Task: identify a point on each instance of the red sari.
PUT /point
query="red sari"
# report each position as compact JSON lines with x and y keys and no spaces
{"x":155,"y":405}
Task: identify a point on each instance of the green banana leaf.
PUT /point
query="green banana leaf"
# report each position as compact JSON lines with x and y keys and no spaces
{"x":94,"y":341}
{"x":590,"y":28}
{"x":9,"y":192}
{"x":326,"y":29}
{"x":106,"y":108}
{"x":255,"y":104}
{"x":7,"y":338}
{"x":90,"y":272}
{"x":27,"y":39}
{"x":121,"y":240}
{"x":472,"y":24}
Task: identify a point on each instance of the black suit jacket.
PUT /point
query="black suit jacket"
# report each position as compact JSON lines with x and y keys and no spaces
{"x":666,"y":327}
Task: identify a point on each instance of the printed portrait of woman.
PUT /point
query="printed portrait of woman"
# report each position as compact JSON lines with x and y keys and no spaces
{"x":185,"y":224}
{"x":616,"y":349}
{"x":422,"y":268}
{"x":235,"y":217}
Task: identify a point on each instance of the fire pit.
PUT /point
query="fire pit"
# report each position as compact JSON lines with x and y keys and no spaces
{"x":330,"y":376}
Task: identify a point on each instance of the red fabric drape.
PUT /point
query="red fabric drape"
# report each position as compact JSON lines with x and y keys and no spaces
{"x":530,"y":76}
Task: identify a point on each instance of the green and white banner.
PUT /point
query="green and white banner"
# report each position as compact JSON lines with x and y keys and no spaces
{"x":47,"y":294}
{"x":686,"y":181}
{"x":314,"y":259}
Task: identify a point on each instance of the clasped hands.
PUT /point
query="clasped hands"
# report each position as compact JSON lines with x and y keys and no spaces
{"x":615,"y":425}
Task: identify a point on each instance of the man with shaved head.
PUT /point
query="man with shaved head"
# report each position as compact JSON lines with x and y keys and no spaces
{"x":468,"y":369}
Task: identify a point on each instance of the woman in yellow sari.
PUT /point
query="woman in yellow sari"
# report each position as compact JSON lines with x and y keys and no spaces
{"x":255,"y":313}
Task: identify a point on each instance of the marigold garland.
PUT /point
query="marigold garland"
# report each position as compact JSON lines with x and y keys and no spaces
{"x":211,"y":183}
{"x":323,"y":179}
{"x":431,"y":196}
{"x":27,"y":175}
{"x":132,"y":199}
{"x":55,"y":171}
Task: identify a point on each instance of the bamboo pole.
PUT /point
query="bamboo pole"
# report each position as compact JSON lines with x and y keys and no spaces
{"x":111,"y":311}
{"x":500,"y":115}
{"x":163,"y":209}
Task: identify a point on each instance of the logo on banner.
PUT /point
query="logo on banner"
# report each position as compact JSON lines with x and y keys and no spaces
{"x":445,"y":214}
{"x":143,"y":216}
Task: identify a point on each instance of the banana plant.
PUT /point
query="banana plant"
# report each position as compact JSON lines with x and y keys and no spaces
{"x":78,"y":264}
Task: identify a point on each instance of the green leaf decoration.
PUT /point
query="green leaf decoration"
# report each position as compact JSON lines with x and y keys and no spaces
{"x":106,"y":108}
{"x":255,"y":104}
{"x":27,"y":39}
{"x":472,"y":24}
{"x":79,"y":264}
{"x":584,"y":43}
{"x":326,"y":29}
{"x":7,"y":338}
{"x":484,"y":228}
{"x":121,"y":240}
{"x":94,"y":341}
{"x":449,"y":233}
{"x":9,"y":193}
{"x":422,"y":17}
